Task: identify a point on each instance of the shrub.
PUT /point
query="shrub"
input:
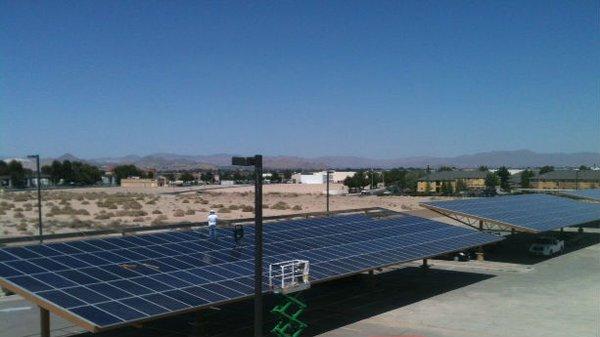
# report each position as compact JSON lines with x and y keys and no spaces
{"x":156,"y":212}
{"x":151,"y":202}
{"x":135,"y":213}
{"x":185,"y":201}
{"x":159,"y":220}
{"x":22,"y":227}
{"x":138,"y":219}
{"x":217,"y":206}
{"x":19,"y":209}
{"x":280,"y":206}
{"x":85,"y":202}
{"x":234,"y":207}
{"x":132,"y":204}
{"x":224,"y":210}
{"x":247,"y":208}
{"x":297,"y":208}
{"x":21,"y":197}
{"x":19,"y":215}
{"x":104,"y":216}
{"x":178,"y":213}
{"x":190,"y":212}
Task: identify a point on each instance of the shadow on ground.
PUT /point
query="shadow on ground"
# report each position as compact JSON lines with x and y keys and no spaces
{"x":331,"y":305}
{"x":514,"y":249}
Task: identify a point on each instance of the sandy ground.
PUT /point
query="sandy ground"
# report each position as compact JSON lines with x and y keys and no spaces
{"x":96,"y":208}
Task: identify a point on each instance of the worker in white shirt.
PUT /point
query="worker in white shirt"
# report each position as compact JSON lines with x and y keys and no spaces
{"x":212,"y":224}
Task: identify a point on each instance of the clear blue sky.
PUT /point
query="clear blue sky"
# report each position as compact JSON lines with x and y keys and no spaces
{"x":383,"y":79}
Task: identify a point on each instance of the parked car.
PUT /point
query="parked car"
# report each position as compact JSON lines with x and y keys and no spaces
{"x":547,"y":246}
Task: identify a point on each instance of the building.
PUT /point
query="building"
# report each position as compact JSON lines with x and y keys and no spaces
{"x":321,"y":177}
{"x":567,"y":179}
{"x":313,"y":178}
{"x":133,"y":182}
{"x":433,"y":182}
{"x":340,"y":176}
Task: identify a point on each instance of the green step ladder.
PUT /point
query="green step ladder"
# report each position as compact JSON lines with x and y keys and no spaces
{"x":285,"y":278}
{"x":288,"y":312}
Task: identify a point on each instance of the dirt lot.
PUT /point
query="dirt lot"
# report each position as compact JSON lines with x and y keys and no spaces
{"x":96,"y":208}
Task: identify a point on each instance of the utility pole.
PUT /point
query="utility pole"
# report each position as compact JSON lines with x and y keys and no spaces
{"x":328,"y":172}
{"x":39,"y":190}
{"x":256,"y":161}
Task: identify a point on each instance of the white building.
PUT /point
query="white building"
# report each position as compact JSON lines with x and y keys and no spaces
{"x":321,"y":177}
{"x":314,"y":178}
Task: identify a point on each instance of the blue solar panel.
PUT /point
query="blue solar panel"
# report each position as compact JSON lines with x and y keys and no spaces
{"x":592,"y":194}
{"x":116,"y":281}
{"x":531,"y":212}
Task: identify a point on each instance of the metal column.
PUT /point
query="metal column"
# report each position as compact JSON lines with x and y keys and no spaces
{"x":39,"y":193}
{"x":327,"y":192}
{"x":44,"y":322}
{"x":258,"y":248}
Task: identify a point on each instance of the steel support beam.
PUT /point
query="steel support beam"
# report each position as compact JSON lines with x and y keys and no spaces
{"x":44,"y":322}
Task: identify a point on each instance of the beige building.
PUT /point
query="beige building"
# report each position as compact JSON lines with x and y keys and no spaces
{"x":138,"y":182}
{"x":567,"y":179}
{"x":433,"y":182}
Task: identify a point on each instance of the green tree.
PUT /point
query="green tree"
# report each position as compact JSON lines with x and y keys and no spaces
{"x":491,"y":181}
{"x":584,"y":168}
{"x":504,"y":176}
{"x":395,"y":177}
{"x":358,"y":180}
{"x":14,"y":169}
{"x":447,"y":188}
{"x":461,"y":185}
{"x":3,"y":168}
{"x":54,"y":170}
{"x":208,"y":177}
{"x":275,"y":177}
{"x":374,"y":178}
{"x":526,"y":178}
{"x":412,"y":177}
{"x":124,"y":171}
{"x":187,"y":177}
{"x":546,"y":169}
{"x":287,"y":174}
{"x":483,"y":168}
{"x":445,"y":168}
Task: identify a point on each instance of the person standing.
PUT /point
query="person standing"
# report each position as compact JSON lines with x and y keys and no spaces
{"x":212,"y":224}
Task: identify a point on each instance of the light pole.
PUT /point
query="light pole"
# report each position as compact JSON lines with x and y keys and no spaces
{"x":39,"y":190}
{"x":327,"y":193}
{"x":256,"y":161}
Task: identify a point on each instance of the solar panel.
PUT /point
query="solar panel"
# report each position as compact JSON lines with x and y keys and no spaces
{"x":110,"y":282}
{"x":530,"y":212}
{"x":592,"y":194}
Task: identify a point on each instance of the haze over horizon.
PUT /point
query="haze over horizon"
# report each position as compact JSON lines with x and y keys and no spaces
{"x":379,"y":80}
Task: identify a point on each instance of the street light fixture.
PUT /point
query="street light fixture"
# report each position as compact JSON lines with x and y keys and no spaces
{"x":256,"y":161}
{"x":39,"y":190}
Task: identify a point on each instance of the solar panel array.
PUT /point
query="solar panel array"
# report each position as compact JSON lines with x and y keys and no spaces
{"x":592,"y":194}
{"x":110,"y":282}
{"x":532,"y":212}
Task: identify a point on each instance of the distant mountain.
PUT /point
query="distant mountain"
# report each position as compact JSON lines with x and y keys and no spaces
{"x":515,"y":159}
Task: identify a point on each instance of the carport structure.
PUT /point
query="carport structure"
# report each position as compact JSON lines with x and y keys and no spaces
{"x":529,"y":213}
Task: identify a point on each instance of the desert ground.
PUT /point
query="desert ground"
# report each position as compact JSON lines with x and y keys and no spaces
{"x":82,"y":209}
